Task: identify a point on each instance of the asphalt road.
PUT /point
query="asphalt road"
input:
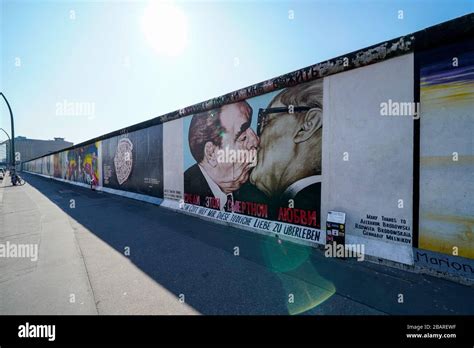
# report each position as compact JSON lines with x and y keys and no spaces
{"x":105,"y":254}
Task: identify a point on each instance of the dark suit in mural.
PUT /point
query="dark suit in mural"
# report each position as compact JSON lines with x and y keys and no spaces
{"x":302,"y":199}
{"x":194,"y":181}
{"x":214,"y":136}
{"x":289,"y":168}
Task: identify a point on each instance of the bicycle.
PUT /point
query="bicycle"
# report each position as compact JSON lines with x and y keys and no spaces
{"x":16,"y":180}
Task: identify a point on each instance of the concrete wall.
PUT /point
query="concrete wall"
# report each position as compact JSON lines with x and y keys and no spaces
{"x":32,"y":148}
{"x":369,"y":156}
{"x":360,"y":143}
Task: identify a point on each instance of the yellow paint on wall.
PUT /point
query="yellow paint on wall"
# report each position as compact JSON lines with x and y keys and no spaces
{"x":446,"y":93}
{"x":446,"y":160}
{"x":462,"y":235}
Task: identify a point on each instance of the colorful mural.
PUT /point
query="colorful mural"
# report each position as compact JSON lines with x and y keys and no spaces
{"x":260,"y":157}
{"x":82,"y":164}
{"x":446,"y":150}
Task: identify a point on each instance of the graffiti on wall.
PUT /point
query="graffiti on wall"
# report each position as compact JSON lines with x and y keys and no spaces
{"x":446,"y":150}
{"x":82,"y":164}
{"x":253,"y":156}
{"x":58,"y":165}
{"x":134,"y":161}
{"x":260,"y":157}
{"x":455,"y":265}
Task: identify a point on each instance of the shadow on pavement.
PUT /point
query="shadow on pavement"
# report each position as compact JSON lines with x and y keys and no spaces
{"x":187,"y":255}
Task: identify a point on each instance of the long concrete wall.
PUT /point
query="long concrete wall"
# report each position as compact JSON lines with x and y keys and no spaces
{"x":383,"y":134}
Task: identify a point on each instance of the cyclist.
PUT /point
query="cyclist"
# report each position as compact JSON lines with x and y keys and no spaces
{"x":15,"y":178}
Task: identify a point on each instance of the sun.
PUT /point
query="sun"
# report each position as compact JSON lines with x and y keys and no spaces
{"x":165,"y":28}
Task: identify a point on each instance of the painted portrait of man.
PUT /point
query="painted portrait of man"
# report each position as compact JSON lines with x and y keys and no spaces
{"x":284,"y":181}
{"x":288,"y":169}
{"x":214,"y":178}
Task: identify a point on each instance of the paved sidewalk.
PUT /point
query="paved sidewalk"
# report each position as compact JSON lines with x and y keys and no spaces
{"x":59,"y":276}
{"x":178,"y":264}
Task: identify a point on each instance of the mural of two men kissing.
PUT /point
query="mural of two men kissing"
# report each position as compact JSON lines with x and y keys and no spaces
{"x":260,"y":157}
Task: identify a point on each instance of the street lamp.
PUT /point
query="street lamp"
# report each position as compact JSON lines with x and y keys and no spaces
{"x":12,"y":140}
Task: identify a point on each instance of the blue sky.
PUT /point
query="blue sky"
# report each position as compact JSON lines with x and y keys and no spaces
{"x":102,"y":53}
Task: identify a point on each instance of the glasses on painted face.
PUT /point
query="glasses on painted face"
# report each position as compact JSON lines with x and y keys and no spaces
{"x":263,"y":114}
